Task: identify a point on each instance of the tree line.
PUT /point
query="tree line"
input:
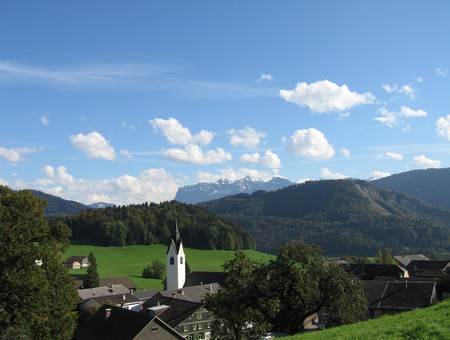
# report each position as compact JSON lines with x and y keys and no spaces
{"x":154,"y":223}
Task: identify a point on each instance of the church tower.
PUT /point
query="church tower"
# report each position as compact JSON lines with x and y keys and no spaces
{"x":175,"y":262}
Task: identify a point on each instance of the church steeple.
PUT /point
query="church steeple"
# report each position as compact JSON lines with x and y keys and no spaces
{"x":175,"y":261}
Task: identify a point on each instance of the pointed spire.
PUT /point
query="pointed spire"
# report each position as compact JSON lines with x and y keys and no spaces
{"x":177,"y":232}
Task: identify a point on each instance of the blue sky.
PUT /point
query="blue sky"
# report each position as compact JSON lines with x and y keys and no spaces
{"x":125,"y":101}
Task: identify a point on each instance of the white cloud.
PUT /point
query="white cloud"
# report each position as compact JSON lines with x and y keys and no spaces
{"x":393,"y":119}
{"x":310,"y":143}
{"x":194,"y":154}
{"x":425,"y":162}
{"x":45,"y":119}
{"x":176,"y":133}
{"x":325,"y":96}
{"x":345,"y":152}
{"x":16,"y":154}
{"x":441,"y":71}
{"x":378,"y":174}
{"x":128,"y":126}
{"x":326,"y":173}
{"x":152,"y":185}
{"x":270,"y":159}
{"x":235,"y":174}
{"x":406,"y":90}
{"x":419,"y":79}
{"x":126,"y":153}
{"x":395,"y":156}
{"x":265,"y":77}
{"x":93,"y":145}
{"x":443,"y":127}
{"x":246,"y":138}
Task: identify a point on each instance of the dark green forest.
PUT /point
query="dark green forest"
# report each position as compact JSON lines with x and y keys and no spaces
{"x":154,"y":223}
{"x":342,"y":216}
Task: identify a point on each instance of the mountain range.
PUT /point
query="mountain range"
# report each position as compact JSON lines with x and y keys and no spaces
{"x":202,"y":192}
{"x":343,"y":216}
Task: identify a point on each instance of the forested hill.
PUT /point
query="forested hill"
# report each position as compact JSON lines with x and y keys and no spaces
{"x":430,"y":185}
{"x":153,"y":223}
{"x":342,"y":216}
{"x":57,"y":206}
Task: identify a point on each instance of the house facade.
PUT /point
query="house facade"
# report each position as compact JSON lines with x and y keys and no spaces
{"x":77,"y":262}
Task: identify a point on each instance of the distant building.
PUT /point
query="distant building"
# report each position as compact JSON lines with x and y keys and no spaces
{"x":77,"y":262}
{"x":404,"y":260}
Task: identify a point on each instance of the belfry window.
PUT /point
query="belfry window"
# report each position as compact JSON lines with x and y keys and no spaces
{"x":181,"y":260}
{"x":172,"y":260}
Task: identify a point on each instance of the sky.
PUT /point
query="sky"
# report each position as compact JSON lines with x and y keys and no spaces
{"x":126,"y":101}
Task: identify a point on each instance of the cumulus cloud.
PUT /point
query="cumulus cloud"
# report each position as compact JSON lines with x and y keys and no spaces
{"x":151,"y":185}
{"x":246,"y":138}
{"x":393,"y":119}
{"x":235,"y":174}
{"x":16,"y":154}
{"x":326,"y":173}
{"x":309,"y":143}
{"x":345,"y":152}
{"x":378,"y":174}
{"x":443,"y":127}
{"x":406,"y":90}
{"x":194,"y":154}
{"x":269,"y":160}
{"x":394,"y":155}
{"x":425,"y":162}
{"x":93,"y":145}
{"x":441,"y":71}
{"x":176,"y":133}
{"x":325,"y":96}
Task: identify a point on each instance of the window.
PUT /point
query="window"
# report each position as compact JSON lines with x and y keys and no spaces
{"x":199,"y":316}
{"x":155,"y":329}
{"x":172,"y":260}
{"x":194,"y":327}
{"x":185,"y":328}
{"x":200,"y":326}
{"x":181,"y":260}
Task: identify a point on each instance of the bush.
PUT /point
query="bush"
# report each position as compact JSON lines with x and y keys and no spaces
{"x":155,"y":270}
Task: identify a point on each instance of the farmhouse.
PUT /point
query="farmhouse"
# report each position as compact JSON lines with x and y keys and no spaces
{"x":77,"y":262}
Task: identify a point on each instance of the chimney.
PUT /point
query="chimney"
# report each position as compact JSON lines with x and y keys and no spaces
{"x":123,"y":297}
{"x":173,"y":295}
{"x":210,"y":288}
{"x":201,"y":283}
{"x":107,"y":313}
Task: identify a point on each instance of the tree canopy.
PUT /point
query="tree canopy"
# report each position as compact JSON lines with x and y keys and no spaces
{"x":91,"y":279}
{"x":37,"y":295}
{"x":283,"y":293}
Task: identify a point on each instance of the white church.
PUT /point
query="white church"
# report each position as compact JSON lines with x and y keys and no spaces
{"x":175,"y":262}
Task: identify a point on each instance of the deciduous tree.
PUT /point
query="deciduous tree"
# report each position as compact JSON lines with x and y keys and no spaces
{"x":37,"y":295}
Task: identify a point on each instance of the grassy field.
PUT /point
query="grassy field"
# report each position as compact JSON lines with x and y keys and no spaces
{"x":427,"y":323}
{"x":129,"y":261}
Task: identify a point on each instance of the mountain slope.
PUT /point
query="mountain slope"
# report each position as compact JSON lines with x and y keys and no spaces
{"x":203,"y":192}
{"x":57,"y":206}
{"x":342,"y":216}
{"x":431,"y":185}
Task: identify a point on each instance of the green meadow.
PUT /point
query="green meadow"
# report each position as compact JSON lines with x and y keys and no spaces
{"x":129,"y":261}
{"x":427,"y":323}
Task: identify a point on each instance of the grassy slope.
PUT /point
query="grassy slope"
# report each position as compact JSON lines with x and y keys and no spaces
{"x":130,"y":261}
{"x":427,"y":323}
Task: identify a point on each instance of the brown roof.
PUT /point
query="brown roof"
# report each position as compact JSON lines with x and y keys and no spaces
{"x":127,"y":282}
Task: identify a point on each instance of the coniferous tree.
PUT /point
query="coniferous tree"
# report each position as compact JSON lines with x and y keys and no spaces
{"x":91,"y":279}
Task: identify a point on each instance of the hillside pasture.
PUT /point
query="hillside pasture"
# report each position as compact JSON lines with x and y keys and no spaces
{"x":129,"y":261}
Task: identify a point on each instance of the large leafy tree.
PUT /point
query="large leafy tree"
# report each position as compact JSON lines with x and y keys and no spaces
{"x":236,"y":311}
{"x":37,"y":295}
{"x":283,"y":293}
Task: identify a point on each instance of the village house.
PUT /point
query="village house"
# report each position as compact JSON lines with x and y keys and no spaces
{"x":113,"y":323}
{"x":77,"y":262}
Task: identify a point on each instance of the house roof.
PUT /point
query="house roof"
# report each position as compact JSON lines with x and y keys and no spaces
{"x":73,"y":259}
{"x":118,"y":299}
{"x":198,"y":278}
{"x":127,"y":282}
{"x":193,"y":293}
{"x":404,"y":260}
{"x":178,"y":311}
{"x":399,"y":295}
{"x":427,"y":268}
{"x":102,"y":291}
{"x":121,"y":324}
{"x":146,"y":294}
{"x":371,"y":270}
